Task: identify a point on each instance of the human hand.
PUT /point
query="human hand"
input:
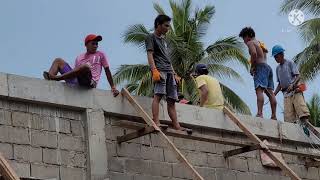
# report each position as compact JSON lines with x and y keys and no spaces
{"x":252,"y":71}
{"x":290,"y":88}
{"x":177,"y":78}
{"x":155,"y":75}
{"x":114,"y":91}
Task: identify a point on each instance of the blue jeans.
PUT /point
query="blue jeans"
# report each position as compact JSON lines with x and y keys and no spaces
{"x":263,"y":77}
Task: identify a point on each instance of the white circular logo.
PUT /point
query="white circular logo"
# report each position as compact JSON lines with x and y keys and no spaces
{"x":296,"y":17}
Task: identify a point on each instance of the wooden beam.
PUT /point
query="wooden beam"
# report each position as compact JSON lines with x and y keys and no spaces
{"x":141,"y":132}
{"x":6,"y":171}
{"x":219,"y":140}
{"x":312,"y":163}
{"x":241,"y":150}
{"x":150,"y":122}
{"x":262,"y":145}
{"x":313,"y":129}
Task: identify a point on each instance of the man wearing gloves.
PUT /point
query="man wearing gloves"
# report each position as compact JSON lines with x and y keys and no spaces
{"x":163,"y":75}
{"x":288,"y":77}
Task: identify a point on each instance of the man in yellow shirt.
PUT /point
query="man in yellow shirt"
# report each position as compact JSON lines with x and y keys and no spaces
{"x":210,"y":90}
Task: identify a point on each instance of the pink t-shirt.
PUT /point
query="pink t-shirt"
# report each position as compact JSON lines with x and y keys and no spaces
{"x":96,"y":61}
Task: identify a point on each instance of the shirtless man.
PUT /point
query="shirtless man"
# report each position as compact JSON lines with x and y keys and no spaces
{"x":260,"y":70}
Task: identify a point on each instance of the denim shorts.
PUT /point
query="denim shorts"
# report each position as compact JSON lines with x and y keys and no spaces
{"x":166,"y":86}
{"x":263,"y":76}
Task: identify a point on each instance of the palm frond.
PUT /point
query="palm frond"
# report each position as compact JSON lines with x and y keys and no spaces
{"x":310,"y":69}
{"x":310,"y":6}
{"x":131,"y":73}
{"x":228,"y":49}
{"x":189,"y":90}
{"x":310,"y":29}
{"x":224,"y":72}
{"x":314,"y":108}
{"x":136,"y":34}
{"x":234,"y":100}
{"x":203,"y":18}
{"x":158,"y":8}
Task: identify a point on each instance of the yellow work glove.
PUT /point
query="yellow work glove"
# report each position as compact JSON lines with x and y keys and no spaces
{"x":155,"y":75}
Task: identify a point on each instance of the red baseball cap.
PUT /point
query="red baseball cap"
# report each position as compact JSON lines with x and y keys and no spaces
{"x":92,"y":37}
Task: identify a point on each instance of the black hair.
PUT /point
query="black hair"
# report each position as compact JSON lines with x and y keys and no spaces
{"x":203,"y":71}
{"x":282,"y":54}
{"x":160,"y":19}
{"x":247,"y":31}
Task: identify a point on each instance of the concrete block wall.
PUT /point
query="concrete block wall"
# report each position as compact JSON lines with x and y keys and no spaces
{"x":51,"y":130}
{"x":42,"y":141}
{"x":148,"y":158}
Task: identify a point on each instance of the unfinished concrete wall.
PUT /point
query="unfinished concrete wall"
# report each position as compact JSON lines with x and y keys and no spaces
{"x":50,"y":130}
{"x":148,"y":158}
{"x":41,"y":141}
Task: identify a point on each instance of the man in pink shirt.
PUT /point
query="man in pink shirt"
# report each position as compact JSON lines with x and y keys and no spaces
{"x":88,"y":67}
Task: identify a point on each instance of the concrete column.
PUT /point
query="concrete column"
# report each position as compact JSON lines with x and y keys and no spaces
{"x":97,"y":150}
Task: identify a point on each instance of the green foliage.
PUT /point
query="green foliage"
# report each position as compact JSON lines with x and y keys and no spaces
{"x":188,"y":28}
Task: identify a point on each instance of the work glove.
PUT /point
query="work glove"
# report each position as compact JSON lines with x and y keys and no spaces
{"x":155,"y":75}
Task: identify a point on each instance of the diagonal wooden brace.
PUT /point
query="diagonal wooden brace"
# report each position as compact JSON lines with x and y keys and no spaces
{"x":138,"y":133}
{"x":258,"y":141}
{"x":6,"y":171}
{"x":125,"y":93}
{"x":237,"y":151}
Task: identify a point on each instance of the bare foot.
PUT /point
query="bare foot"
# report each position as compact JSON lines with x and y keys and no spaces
{"x":157,"y":122}
{"x":274,"y":117}
{"x":259,"y":115}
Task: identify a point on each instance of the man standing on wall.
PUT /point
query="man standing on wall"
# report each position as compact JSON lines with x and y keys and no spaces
{"x":288,"y":77}
{"x":261,"y":71}
{"x":163,"y":75}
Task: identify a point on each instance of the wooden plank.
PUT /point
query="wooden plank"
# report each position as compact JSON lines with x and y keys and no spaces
{"x":150,"y":122}
{"x":262,"y":145}
{"x":219,"y":140}
{"x":139,"y":109}
{"x":312,"y":163}
{"x":313,"y":129}
{"x":183,"y":134}
{"x":241,"y":150}
{"x":141,"y":132}
{"x":6,"y":171}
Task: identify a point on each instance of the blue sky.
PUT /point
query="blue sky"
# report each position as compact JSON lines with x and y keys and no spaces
{"x":34,"y":32}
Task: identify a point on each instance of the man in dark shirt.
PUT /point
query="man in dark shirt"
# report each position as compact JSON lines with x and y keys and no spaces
{"x":163,"y":75}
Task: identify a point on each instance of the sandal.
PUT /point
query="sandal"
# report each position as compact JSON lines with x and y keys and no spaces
{"x":46,"y":75}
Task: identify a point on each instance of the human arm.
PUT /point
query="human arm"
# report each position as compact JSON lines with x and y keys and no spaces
{"x":203,"y":94}
{"x":110,"y":80}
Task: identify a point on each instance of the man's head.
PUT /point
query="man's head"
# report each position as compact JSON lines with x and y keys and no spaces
{"x":91,"y":42}
{"x":201,"y":69}
{"x":247,"y":34}
{"x":278,"y":53}
{"x":162,"y":24}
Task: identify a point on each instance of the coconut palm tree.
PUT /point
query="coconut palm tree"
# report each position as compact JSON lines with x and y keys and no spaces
{"x":187,"y":29}
{"x":308,"y":60}
{"x":314,"y":108}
